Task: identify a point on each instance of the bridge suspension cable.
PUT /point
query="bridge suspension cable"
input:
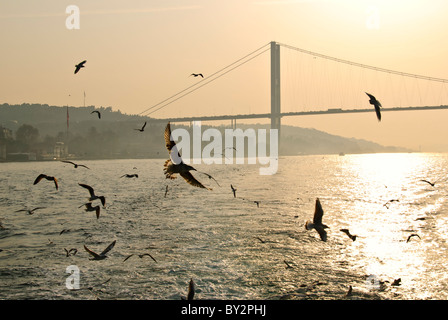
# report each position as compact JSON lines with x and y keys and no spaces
{"x":405,"y":74}
{"x":207,"y":80}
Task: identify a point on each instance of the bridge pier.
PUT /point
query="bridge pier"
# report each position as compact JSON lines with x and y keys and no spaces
{"x":233,"y":123}
{"x":275,"y":87}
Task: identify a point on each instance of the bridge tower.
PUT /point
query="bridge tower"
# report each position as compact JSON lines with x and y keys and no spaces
{"x":275,"y":87}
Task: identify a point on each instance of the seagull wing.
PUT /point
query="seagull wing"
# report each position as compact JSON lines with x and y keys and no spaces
{"x":192,"y":180}
{"x":371,"y":96}
{"x":94,"y":254}
{"x":66,"y":161}
{"x":109,"y":247}
{"x":147,"y":254}
{"x":377,"y":110}
{"x":322,"y":233}
{"x":168,"y":142}
{"x":91,"y":191}
{"x":128,"y":257}
{"x":144,"y":126}
{"x":39,"y":177}
{"x":318,"y":213}
{"x":190,"y":294}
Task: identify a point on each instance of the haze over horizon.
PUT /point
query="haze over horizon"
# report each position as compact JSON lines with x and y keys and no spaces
{"x":141,"y":52}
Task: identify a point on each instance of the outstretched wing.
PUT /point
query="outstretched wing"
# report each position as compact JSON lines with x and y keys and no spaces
{"x":192,"y":180}
{"x":91,"y":191}
{"x":318,"y":213}
{"x":168,"y":142}
{"x":94,"y":254}
{"x":109,"y":247}
{"x":39,"y":177}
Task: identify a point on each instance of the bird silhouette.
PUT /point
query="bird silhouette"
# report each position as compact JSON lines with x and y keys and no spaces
{"x":347,"y":232}
{"x":142,"y":128}
{"x":412,"y":235}
{"x":317,"y":221}
{"x":175,"y":164}
{"x":75,"y":164}
{"x":79,"y":66}
{"x":49,"y":178}
{"x":288,"y":266}
{"x":102,"y":255}
{"x":197,"y":75}
{"x":166,"y":190}
{"x":373,"y":101}
{"x":431,"y":183}
{"x":93,"y":196}
{"x":140,"y":256}
{"x":69,"y":252}
{"x":390,"y":201}
{"x":134,"y":175}
{"x":233,"y":190}
{"x":30,"y":211}
{"x":89,"y":207}
{"x":96,"y":111}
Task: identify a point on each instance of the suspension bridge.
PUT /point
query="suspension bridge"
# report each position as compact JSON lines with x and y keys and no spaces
{"x":275,"y":115}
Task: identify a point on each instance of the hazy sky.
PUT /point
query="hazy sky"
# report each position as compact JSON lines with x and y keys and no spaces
{"x":141,"y":52}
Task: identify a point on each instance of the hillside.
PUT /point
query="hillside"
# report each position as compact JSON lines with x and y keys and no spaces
{"x":114,"y":135}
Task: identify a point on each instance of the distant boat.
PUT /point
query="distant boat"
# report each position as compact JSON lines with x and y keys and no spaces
{"x":341,"y":153}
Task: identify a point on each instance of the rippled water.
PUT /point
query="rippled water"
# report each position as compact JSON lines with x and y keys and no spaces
{"x":211,"y":236}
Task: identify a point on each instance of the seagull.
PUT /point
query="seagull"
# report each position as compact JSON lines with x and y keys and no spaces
{"x":390,"y":201}
{"x":30,"y":211}
{"x":258,"y":203}
{"x":396,"y":282}
{"x":142,"y":129}
{"x":140,"y":256}
{"x":102,"y":255}
{"x":376,"y":104}
{"x":233,"y":190}
{"x":96,"y":111}
{"x":288,"y":266}
{"x":92,"y":194}
{"x":347,"y":232}
{"x":197,"y":74}
{"x":75,"y":164}
{"x":431,"y":183}
{"x":317,"y":222}
{"x":190,"y":293}
{"x":130,"y":175}
{"x":171,"y":169}
{"x":49,"y":178}
{"x":261,"y":240}
{"x":412,"y":235}
{"x":79,"y":66}
{"x":69,"y":252}
{"x":65,"y":230}
{"x":90,"y":208}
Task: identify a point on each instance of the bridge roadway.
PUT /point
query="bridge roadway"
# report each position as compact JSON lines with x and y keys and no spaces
{"x":287,"y":114}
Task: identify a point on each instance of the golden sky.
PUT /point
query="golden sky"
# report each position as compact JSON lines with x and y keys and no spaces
{"x":141,"y":52}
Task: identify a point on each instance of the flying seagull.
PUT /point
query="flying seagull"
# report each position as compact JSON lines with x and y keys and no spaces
{"x":140,"y":256}
{"x":75,"y":164}
{"x":79,"y":66}
{"x":93,"y":196}
{"x":431,"y":183}
{"x":30,"y":211}
{"x":197,"y":74}
{"x":142,"y":129}
{"x":171,"y":169}
{"x":166,"y":190}
{"x":49,"y":178}
{"x":347,"y":232}
{"x":233,"y":190}
{"x":96,"y":111}
{"x":102,"y":255}
{"x":390,"y":201}
{"x":288,"y":266}
{"x":317,"y":221}
{"x":376,"y":104}
{"x":130,"y":175}
{"x":89,"y":207}
{"x":69,"y":252}
{"x":412,"y":235}
{"x":190,"y":293}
